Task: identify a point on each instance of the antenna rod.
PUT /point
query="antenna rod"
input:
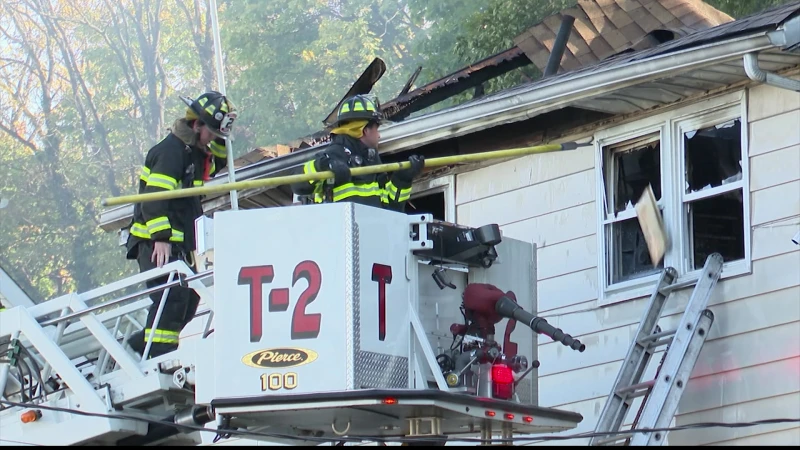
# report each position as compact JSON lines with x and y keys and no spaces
{"x":212,"y":12}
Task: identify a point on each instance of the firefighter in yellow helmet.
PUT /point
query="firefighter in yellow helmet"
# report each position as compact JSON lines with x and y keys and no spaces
{"x":162,"y":231}
{"x":354,"y":143}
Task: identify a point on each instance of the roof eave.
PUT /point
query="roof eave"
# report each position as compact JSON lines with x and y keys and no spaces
{"x":538,"y":99}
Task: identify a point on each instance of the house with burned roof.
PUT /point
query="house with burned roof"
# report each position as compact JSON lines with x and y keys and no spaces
{"x":674,"y":95}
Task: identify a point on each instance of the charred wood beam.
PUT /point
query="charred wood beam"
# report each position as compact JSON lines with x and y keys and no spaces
{"x":410,"y":81}
{"x":363,"y":85}
{"x":455,"y":83}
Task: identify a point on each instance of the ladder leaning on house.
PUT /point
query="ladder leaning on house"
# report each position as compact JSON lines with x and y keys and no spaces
{"x":684,"y":345}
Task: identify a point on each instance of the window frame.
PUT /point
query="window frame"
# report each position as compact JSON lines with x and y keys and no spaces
{"x":674,"y":200}
{"x":436,"y":185}
{"x":683,"y":249}
{"x":606,"y":205}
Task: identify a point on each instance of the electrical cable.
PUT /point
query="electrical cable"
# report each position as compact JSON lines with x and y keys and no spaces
{"x":158,"y":421}
{"x":20,"y":443}
{"x":354,"y":438}
{"x":699,"y":425}
{"x":31,"y":390}
{"x":25,"y":377}
{"x":38,"y":373}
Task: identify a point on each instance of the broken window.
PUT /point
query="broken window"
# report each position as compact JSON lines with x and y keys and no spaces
{"x":433,"y":203}
{"x":629,"y":168}
{"x":713,"y":197}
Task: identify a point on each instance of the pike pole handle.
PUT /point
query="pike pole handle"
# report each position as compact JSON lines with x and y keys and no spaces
{"x":380,"y":168}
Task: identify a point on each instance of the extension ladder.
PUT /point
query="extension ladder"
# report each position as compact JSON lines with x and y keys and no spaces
{"x":71,"y":352}
{"x":685,"y":342}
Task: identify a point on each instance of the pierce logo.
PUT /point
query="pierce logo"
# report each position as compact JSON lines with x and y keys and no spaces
{"x":279,"y":358}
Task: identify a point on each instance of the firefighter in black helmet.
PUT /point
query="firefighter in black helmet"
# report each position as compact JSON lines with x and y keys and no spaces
{"x":163,"y":230}
{"x":354,"y":144}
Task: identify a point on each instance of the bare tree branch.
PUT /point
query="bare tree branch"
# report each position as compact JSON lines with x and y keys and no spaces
{"x":18,"y":138}
{"x":203,"y":41}
{"x":79,"y":87}
{"x":121,"y":50}
{"x":12,"y":61}
{"x":55,"y":182}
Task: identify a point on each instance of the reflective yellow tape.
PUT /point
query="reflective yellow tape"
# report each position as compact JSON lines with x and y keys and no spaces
{"x":145,"y":174}
{"x":162,"y":181}
{"x":351,"y":190}
{"x":177,"y":236}
{"x":158,"y":224}
{"x":162,"y":336}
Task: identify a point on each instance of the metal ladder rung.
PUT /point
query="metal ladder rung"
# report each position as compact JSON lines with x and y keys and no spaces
{"x":635,"y":387}
{"x":654,"y":336}
{"x":654,"y":341}
{"x":677,"y":286}
{"x":616,"y":438}
{"x":661,"y":343}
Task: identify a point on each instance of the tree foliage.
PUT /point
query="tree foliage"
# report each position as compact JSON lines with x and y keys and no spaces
{"x":743,"y":8}
{"x":83,"y":93}
{"x":88,"y":86}
{"x":290,"y":62}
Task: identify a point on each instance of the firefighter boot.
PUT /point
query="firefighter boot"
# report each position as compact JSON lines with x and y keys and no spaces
{"x":157,"y":349}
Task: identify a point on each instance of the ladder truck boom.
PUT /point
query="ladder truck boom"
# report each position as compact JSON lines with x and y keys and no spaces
{"x":373,"y":335}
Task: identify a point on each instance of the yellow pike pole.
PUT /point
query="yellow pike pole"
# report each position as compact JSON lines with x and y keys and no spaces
{"x":380,"y":168}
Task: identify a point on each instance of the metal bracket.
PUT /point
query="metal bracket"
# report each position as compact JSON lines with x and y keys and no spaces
{"x":415,"y":428}
{"x":419,"y":240}
{"x":430,"y":358}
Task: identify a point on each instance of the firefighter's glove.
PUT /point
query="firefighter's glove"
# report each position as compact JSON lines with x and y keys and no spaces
{"x":340,"y":169}
{"x":417,"y":164}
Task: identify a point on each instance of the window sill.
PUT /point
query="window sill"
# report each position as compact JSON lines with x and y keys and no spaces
{"x":729,"y":270}
{"x":644,"y":287}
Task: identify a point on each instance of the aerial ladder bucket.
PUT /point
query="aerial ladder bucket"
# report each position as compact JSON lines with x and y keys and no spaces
{"x":373,"y":334}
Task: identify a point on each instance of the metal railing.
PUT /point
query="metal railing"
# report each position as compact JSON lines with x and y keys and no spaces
{"x":181,"y":281}
{"x":82,"y":330}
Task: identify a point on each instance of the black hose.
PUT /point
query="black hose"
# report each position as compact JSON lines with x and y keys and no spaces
{"x":38,"y":371}
{"x":506,"y":307}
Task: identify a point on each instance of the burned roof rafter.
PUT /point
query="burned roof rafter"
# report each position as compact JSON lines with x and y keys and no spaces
{"x":455,"y":83}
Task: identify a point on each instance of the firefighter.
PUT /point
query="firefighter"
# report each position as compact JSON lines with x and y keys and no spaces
{"x":354,"y":143}
{"x":162,"y":231}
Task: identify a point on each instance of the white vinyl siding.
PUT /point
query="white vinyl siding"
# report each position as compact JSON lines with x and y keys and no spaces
{"x":749,"y":368}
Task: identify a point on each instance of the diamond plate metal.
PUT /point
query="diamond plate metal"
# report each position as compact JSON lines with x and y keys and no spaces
{"x":351,"y":273}
{"x":533,"y":378}
{"x":372,"y":370}
{"x":524,"y":391}
{"x":376,"y":370}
